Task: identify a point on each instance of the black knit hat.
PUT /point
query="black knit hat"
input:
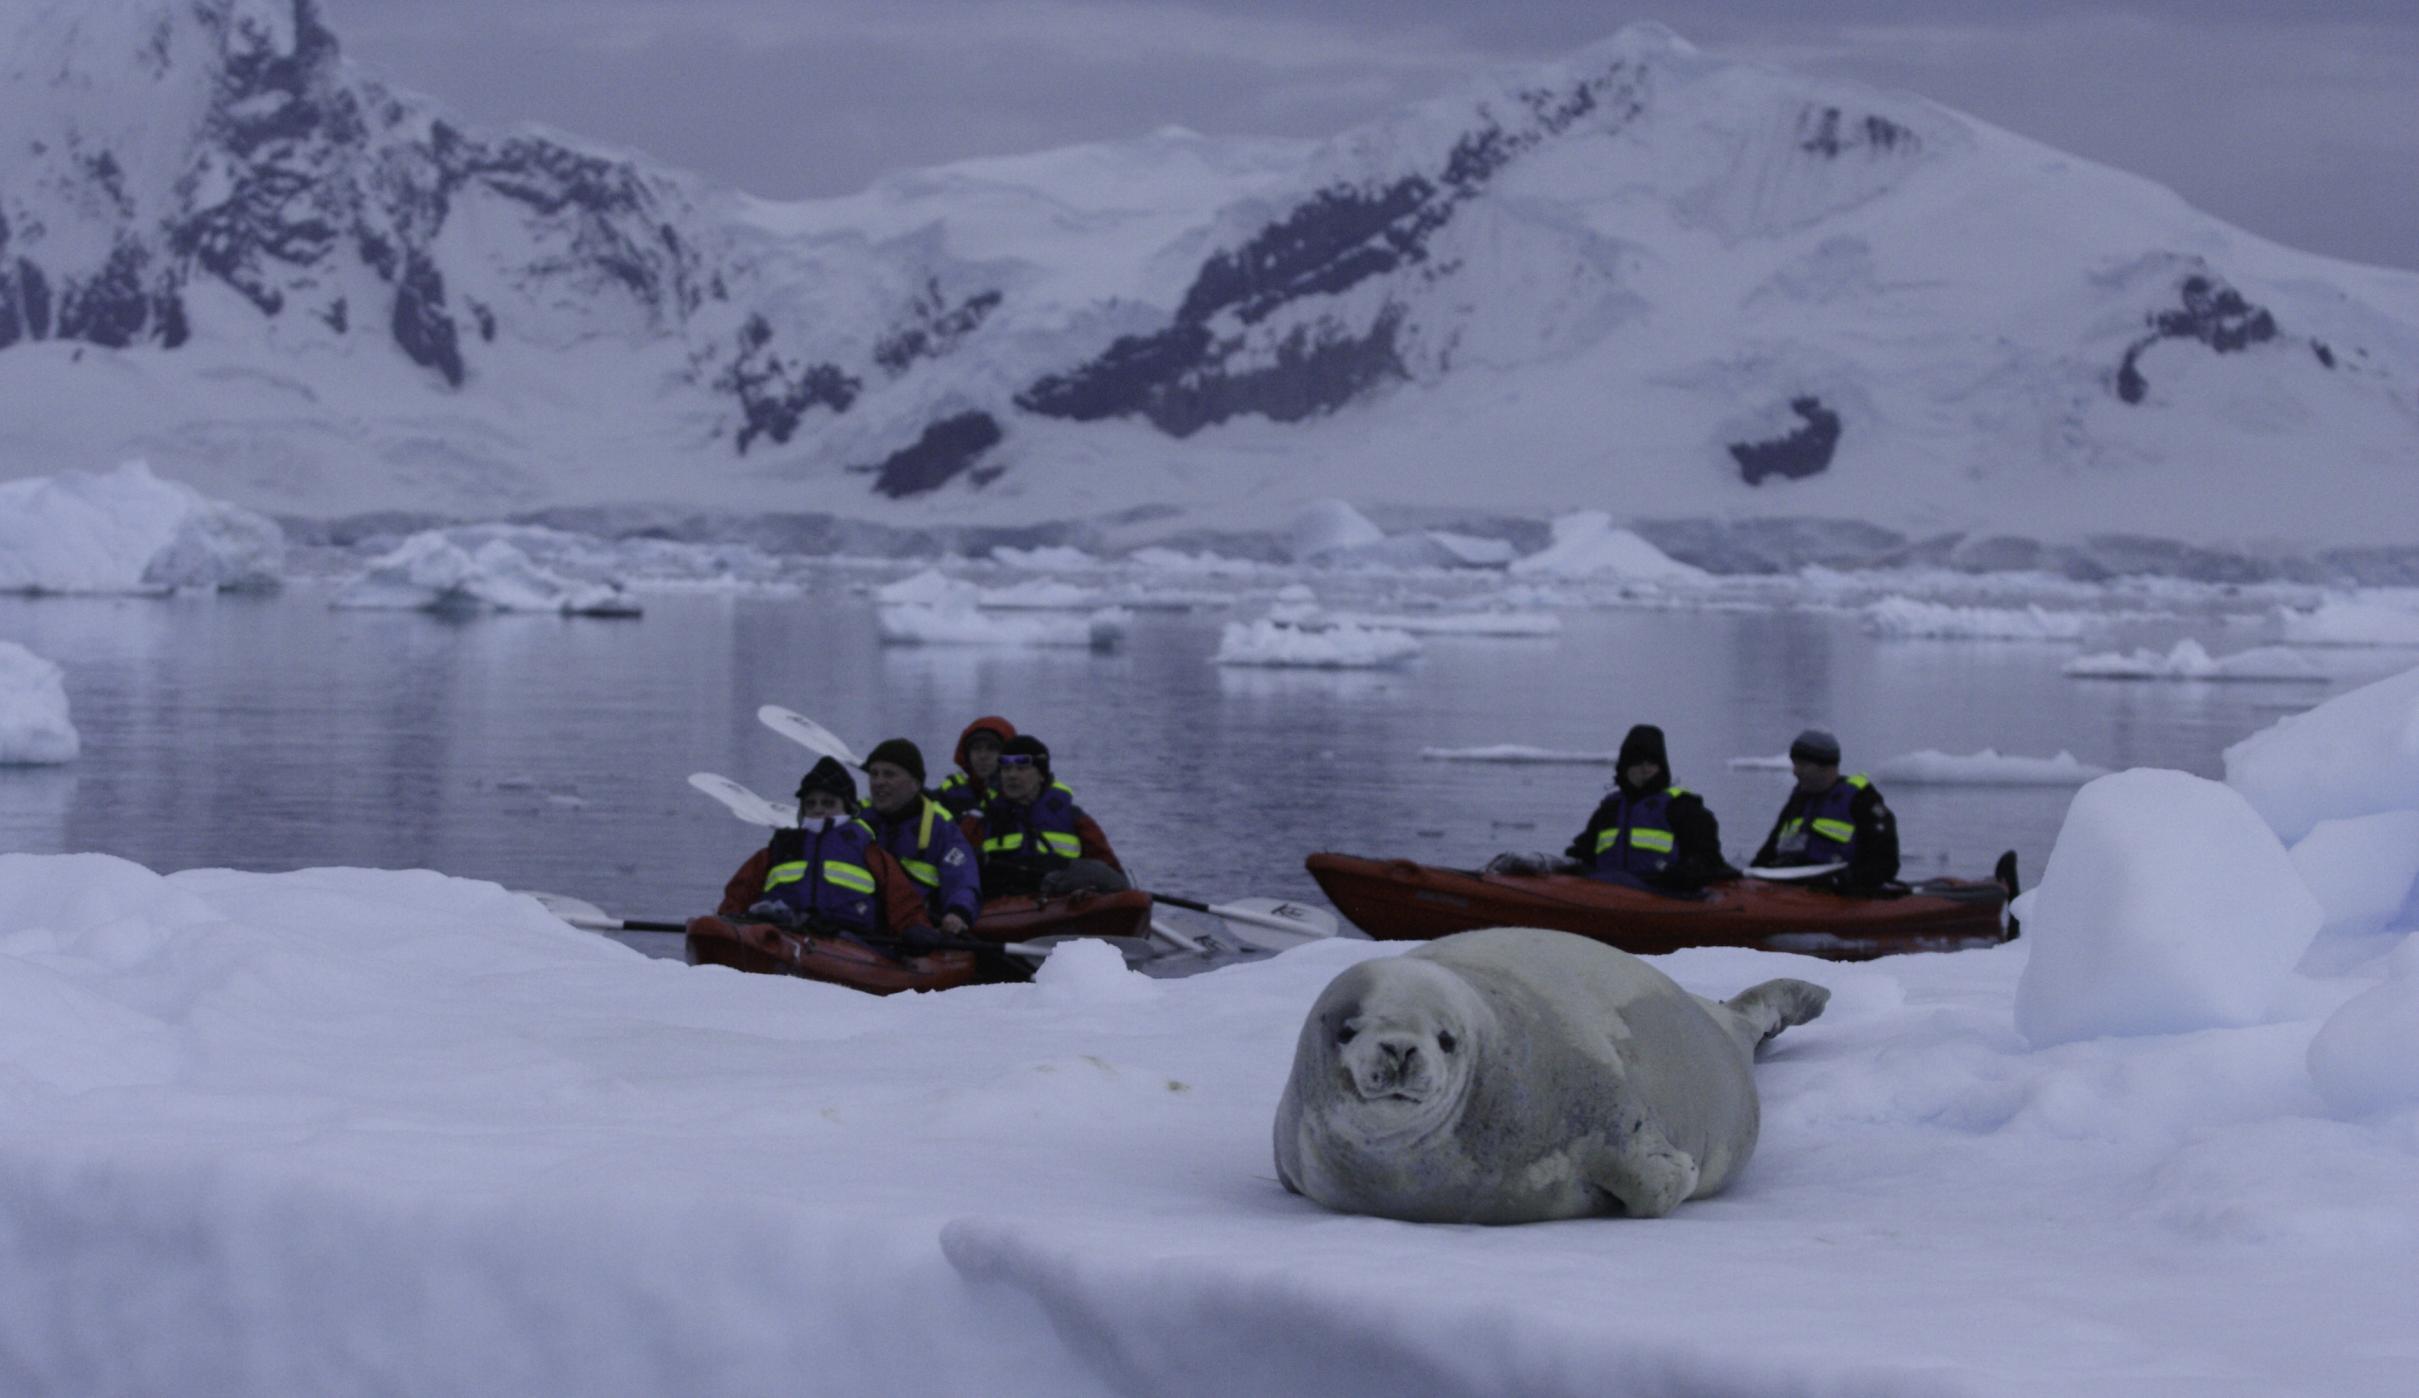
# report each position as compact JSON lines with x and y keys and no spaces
{"x":828,"y":775}
{"x":1026,"y":745}
{"x":1644,"y":743}
{"x":898,"y":752}
{"x":1815,"y":745}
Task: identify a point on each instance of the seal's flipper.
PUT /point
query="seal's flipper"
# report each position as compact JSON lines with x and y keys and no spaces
{"x":1775,"y":1005}
{"x":1645,"y":1171}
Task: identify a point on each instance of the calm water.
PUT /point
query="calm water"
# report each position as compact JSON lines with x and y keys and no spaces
{"x":547,"y":753}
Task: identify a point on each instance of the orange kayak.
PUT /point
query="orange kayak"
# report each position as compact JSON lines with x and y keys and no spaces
{"x":1395,"y":899}
{"x":769,"y":950}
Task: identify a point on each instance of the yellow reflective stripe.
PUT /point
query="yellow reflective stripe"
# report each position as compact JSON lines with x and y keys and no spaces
{"x":928,"y":875}
{"x":1840,"y":830}
{"x":856,"y":878}
{"x":780,"y":874}
{"x":1606,"y":839}
{"x":1001,"y":844}
{"x":932,"y":808}
{"x":1860,"y":781}
{"x":1068,"y":846}
{"x":1652,"y":841}
{"x":1675,"y":791}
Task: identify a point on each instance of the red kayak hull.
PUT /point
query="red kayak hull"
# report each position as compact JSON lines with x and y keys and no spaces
{"x":1397,"y":900}
{"x":768,"y":950}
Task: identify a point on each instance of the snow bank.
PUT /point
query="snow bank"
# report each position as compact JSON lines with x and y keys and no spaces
{"x":915,"y":624}
{"x":1930,"y":767}
{"x":2342,"y":621}
{"x":1275,"y":645}
{"x":2356,"y":754}
{"x":347,"y":1131}
{"x":430,"y":572}
{"x":2167,"y":906}
{"x":34,"y":730}
{"x":1586,"y":545}
{"x":1514,"y":752}
{"x":2191,"y":661}
{"x":129,"y":531}
{"x":1905,"y":618}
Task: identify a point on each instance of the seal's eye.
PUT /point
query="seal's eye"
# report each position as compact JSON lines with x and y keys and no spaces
{"x":1344,"y":1035}
{"x":1445,"y":1040}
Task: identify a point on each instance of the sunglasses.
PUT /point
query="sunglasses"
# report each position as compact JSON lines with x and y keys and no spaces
{"x":1019,"y":759}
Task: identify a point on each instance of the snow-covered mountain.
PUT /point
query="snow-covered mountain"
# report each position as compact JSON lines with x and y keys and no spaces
{"x":1644,"y":279}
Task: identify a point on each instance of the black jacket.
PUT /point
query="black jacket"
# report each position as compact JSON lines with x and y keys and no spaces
{"x":1875,"y":861}
{"x":1696,"y":857}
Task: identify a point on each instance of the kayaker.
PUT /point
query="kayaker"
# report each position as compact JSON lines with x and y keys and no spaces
{"x":921,"y":835}
{"x":1032,"y":835}
{"x":828,"y":873}
{"x":964,"y":791}
{"x":1649,"y":831}
{"x":1831,"y":819}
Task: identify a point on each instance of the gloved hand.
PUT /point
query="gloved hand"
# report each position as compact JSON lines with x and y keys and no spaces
{"x":774,"y":911}
{"x":923,"y":937}
{"x":1518,"y":862}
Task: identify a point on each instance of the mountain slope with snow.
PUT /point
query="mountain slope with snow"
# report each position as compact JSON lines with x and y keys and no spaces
{"x":1643,"y":279}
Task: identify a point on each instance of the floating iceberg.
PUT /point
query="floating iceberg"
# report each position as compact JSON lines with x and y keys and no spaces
{"x":34,"y":730}
{"x":1586,"y":545}
{"x":1985,"y":768}
{"x":930,"y":588}
{"x":1275,"y":645}
{"x":429,"y":572}
{"x":2191,"y":661}
{"x":2356,"y":754}
{"x":1517,"y":753}
{"x":1039,"y":595}
{"x":1904,"y":618}
{"x":129,"y":531}
{"x":2341,"y":621}
{"x":919,"y":624}
{"x":1495,"y":623}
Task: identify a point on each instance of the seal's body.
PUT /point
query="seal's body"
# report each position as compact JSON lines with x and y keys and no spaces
{"x":1513,"y":1075}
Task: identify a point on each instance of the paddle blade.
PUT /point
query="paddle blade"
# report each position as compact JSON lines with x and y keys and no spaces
{"x":1795,"y":873}
{"x":579,"y":912}
{"x":740,"y":801}
{"x":1273,"y":924}
{"x":807,"y":733}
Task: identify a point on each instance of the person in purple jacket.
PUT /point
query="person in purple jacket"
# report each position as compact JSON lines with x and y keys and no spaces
{"x":918,"y":832}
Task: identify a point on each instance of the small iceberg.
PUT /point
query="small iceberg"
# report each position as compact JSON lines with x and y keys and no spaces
{"x":2343,"y":621}
{"x":34,"y":731}
{"x":128,"y":531}
{"x":1904,"y":618}
{"x":1586,"y":545}
{"x":2191,"y":661}
{"x":958,"y":624}
{"x":1988,"y":767}
{"x":429,"y":572}
{"x":1272,"y":644}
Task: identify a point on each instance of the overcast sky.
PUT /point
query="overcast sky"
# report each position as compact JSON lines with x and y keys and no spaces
{"x":2297,"y":119}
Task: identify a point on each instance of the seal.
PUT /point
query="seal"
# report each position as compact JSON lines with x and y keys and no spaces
{"x":1516,"y":1074}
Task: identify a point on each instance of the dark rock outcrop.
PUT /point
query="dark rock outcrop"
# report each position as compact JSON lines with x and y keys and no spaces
{"x":933,"y":327}
{"x":775,"y":394}
{"x":2213,"y":314}
{"x":1797,"y":455}
{"x":947,"y":449}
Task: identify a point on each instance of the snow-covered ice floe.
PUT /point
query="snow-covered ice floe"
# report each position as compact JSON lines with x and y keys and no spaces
{"x":129,"y":531}
{"x":425,"y":1132}
{"x":1274,"y":644}
{"x":2189,"y":660}
{"x":430,"y":572}
{"x":1587,"y":545}
{"x":1519,"y":753}
{"x":2344,"y":621}
{"x":959,"y":624}
{"x":1988,"y":767}
{"x":34,"y":727}
{"x":1905,"y":618}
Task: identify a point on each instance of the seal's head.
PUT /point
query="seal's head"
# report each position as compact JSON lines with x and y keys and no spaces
{"x":1398,"y":1037}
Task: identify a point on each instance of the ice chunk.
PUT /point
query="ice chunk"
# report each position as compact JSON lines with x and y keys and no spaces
{"x":2365,"y":1058}
{"x":915,"y":624}
{"x":1269,"y":643}
{"x":2346,"y":621}
{"x":34,"y":730}
{"x":2361,"y":869}
{"x":1985,"y":768}
{"x":2190,"y":660}
{"x":2167,"y":906}
{"x":1586,"y":545}
{"x":2356,"y":754}
{"x":1516,"y":624}
{"x":1330,"y":527}
{"x":931,"y":588}
{"x":1048,"y":558}
{"x":129,"y":531}
{"x":1086,"y":971}
{"x":430,"y":572}
{"x":1904,"y":618}
{"x":1040,"y":595}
